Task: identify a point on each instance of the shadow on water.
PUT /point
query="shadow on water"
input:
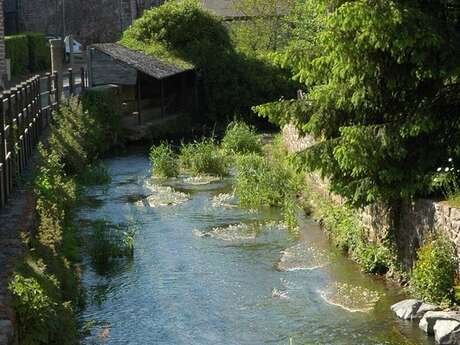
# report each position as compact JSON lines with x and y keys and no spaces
{"x":206,"y":272}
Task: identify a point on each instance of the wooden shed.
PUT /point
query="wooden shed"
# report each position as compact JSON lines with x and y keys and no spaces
{"x":148,"y":86}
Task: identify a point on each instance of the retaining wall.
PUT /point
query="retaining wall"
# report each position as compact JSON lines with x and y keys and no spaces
{"x":410,"y":222}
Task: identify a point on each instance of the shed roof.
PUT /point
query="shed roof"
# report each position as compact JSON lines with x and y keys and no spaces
{"x":140,"y":61}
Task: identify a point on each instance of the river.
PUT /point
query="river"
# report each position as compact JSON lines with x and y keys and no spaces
{"x":207,"y":272}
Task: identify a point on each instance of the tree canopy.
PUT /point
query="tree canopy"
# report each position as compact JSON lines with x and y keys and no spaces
{"x":381,"y":93}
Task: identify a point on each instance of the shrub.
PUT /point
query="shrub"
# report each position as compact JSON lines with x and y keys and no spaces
{"x":17,"y":50}
{"x":204,"y":158}
{"x":258,"y":183}
{"x":104,"y":107}
{"x":433,"y":274}
{"x":241,"y":138}
{"x":164,"y":161}
{"x":34,"y":309}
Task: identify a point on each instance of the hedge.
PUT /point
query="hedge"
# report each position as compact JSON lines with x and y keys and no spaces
{"x":17,"y":50}
{"x":39,"y":52}
{"x":28,"y":52}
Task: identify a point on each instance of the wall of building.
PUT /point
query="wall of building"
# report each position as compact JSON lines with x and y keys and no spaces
{"x":95,"y":21}
{"x":409,"y":223}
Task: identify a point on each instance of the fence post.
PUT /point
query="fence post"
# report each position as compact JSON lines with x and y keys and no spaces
{"x":82,"y":79}
{"x":9,"y":167}
{"x":3,"y":170}
{"x":56,"y":88}
{"x":71,"y":82}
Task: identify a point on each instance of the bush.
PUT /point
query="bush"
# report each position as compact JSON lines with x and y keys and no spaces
{"x":104,"y":108}
{"x":204,"y":158}
{"x":39,"y":52}
{"x":433,"y":275}
{"x":17,"y":50}
{"x":241,"y":138}
{"x":184,"y":34}
{"x":259,"y":183}
{"x":164,"y":161}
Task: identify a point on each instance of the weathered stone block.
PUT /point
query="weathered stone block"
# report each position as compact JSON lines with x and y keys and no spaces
{"x":447,"y":332}
{"x":430,"y":318}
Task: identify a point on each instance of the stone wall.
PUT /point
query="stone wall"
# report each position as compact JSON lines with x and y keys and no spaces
{"x":409,"y":223}
{"x":2,"y":49}
{"x":89,"y":21}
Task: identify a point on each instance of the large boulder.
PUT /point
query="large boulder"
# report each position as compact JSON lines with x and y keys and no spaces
{"x":425,"y":308}
{"x":447,"y":332}
{"x":430,"y":318}
{"x":406,"y":309}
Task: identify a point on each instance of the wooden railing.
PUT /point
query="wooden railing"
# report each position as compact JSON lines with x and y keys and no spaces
{"x":25,"y":112}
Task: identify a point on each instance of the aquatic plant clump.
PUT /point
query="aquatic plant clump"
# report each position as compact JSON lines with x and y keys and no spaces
{"x":260,"y":183}
{"x":108,"y":242}
{"x":204,"y":157}
{"x":240,"y":138}
{"x":164,"y":161}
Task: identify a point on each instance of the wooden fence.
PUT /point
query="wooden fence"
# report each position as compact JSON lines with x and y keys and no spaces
{"x":25,"y":112}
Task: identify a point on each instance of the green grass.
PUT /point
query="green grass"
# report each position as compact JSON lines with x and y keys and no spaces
{"x":95,"y":174}
{"x":164,"y":161}
{"x":240,"y":138}
{"x":204,"y":157}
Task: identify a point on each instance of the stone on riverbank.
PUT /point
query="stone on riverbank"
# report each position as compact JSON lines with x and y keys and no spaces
{"x":432,"y":317}
{"x":447,"y":332}
{"x":406,"y":309}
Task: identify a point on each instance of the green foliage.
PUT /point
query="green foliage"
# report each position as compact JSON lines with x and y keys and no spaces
{"x":380,"y":80}
{"x":240,"y":138}
{"x":266,"y":30}
{"x":28,"y":52}
{"x":79,"y":135}
{"x":104,"y":107}
{"x":184,"y":34}
{"x":34,"y":309}
{"x":45,"y":286}
{"x":109,"y":242}
{"x":17,"y":50}
{"x":204,"y":158}
{"x":39,"y":52}
{"x":164,"y":161}
{"x":259,"y":183}
{"x":349,"y":235}
{"x":433,"y":275}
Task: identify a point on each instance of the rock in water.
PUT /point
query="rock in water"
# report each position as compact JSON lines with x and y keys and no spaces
{"x":425,"y":308}
{"x":406,"y":309}
{"x":447,"y":332}
{"x":430,"y":318}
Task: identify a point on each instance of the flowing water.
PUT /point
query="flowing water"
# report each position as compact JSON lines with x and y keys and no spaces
{"x":207,"y":272}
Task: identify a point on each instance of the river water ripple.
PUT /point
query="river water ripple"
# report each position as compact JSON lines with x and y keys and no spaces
{"x":206,"y":272}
